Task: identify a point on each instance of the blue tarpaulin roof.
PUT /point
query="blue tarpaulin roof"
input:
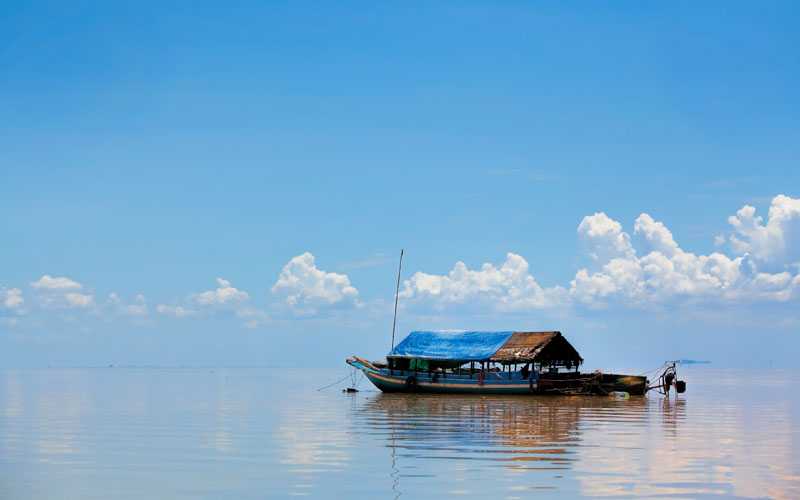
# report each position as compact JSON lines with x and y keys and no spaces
{"x":450,"y":345}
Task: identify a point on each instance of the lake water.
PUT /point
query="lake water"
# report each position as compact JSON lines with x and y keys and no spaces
{"x":259,"y":433}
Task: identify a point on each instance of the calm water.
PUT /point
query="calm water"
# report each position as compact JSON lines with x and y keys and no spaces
{"x":259,"y":433}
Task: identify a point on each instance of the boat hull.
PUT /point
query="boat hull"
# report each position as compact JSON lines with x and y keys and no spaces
{"x":499,"y":382}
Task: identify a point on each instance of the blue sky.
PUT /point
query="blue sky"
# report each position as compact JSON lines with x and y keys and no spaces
{"x":151,"y":150}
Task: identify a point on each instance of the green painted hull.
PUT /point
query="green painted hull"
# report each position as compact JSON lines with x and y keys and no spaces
{"x":424,"y":385}
{"x":500,"y":382}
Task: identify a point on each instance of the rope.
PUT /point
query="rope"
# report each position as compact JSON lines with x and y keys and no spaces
{"x":334,"y":383}
{"x":660,"y":367}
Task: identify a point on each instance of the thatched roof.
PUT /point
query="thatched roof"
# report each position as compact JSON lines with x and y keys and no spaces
{"x":525,"y":347}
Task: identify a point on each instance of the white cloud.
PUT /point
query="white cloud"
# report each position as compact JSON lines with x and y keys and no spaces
{"x":776,"y":243}
{"x":175,"y":311}
{"x":659,"y":272}
{"x":80,"y":300}
{"x":11,"y":298}
{"x":224,"y":294}
{"x":656,"y":235}
{"x":667,"y":272}
{"x":61,"y":292}
{"x":618,"y":277}
{"x":48,"y":282}
{"x":252,"y":317}
{"x":644,"y":268}
{"x":604,"y":237}
{"x":222,"y":299}
{"x":508,"y":287}
{"x":306,"y":287}
{"x":137,"y":308}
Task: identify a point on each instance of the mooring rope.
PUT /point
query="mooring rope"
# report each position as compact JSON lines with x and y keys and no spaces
{"x":335,"y":383}
{"x":660,"y":367}
{"x":357,"y":379}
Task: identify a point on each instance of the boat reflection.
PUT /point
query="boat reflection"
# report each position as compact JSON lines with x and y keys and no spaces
{"x":511,"y":432}
{"x":520,"y":425}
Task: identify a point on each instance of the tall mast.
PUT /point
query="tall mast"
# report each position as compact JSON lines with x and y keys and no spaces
{"x":396,"y":296}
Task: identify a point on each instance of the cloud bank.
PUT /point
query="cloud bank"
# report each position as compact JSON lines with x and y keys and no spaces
{"x":662,"y":271}
{"x":646,"y":269}
{"x":757,"y":261}
{"x":509,"y":286}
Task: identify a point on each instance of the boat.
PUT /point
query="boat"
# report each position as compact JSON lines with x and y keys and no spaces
{"x":498,"y":362}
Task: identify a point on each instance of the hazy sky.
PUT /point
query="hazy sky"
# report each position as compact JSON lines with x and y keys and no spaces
{"x":205,"y":184}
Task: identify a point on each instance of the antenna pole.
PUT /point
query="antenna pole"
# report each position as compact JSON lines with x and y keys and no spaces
{"x":396,"y":296}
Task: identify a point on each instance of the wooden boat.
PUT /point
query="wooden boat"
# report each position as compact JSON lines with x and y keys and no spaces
{"x":506,"y":362}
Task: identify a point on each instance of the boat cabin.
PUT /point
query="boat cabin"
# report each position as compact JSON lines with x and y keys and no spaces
{"x":466,"y":353}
